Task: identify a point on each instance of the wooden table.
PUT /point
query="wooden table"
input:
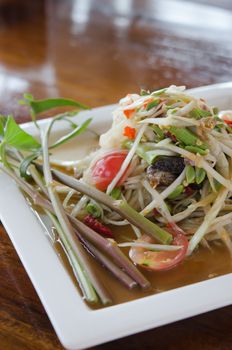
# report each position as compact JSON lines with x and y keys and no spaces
{"x":97,"y":51}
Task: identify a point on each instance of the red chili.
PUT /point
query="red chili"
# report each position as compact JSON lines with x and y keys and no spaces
{"x":156,"y":212}
{"x":129,"y":112}
{"x":129,"y":132}
{"x":97,"y":226}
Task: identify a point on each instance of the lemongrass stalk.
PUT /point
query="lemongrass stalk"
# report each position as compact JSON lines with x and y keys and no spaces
{"x":144,"y":224}
{"x":120,"y":206}
{"x":109,"y":247}
{"x":109,"y":265}
{"x":78,"y":272}
{"x":84,"y":279}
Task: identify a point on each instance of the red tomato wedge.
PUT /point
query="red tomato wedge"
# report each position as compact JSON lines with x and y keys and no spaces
{"x":163,"y":260}
{"x":227,"y":120}
{"x":106,"y":168}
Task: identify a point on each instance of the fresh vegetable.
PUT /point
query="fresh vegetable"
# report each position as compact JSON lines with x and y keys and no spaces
{"x":195,"y":149}
{"x":105,"y":169}
{"x":200,"y":175}
{"x":187,"y":137}
{"x":129,"y":113}
{"x":178,"y":190}
{"x":97,"y":226}
{"x":190,"y":174}
{"x":161,"y":260}
{"x":129,"y":132}
{"x":152,"y":104}
{"x":93,"y":209}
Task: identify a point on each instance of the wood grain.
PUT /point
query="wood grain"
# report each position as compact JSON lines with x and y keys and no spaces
{"x":97,"y":51}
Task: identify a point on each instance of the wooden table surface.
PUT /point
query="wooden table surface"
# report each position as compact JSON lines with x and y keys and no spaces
{"x":97,"y":51}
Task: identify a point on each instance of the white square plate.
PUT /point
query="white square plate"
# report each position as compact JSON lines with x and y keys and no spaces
{"x":76,"y":325}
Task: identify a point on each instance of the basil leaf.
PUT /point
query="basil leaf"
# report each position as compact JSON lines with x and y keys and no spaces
{"x":25,"y":164}
{"x":77,"y":131}
{"x":39,"y":106}
{"x":18,"y":138}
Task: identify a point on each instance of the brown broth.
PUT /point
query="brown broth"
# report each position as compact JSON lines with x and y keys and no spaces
{"x":202,"y":265}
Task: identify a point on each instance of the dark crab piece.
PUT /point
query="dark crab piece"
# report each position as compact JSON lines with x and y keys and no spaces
{"x":165,"y":170}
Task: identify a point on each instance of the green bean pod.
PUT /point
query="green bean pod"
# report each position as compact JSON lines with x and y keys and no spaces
{"x":187,"y":137}
{"x":200,"y":175}
{"x":178,"y":190}
{"x":195,"y":149}
{"x":190,"y":174}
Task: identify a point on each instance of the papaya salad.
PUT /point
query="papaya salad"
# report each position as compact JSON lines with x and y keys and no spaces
{"x":164,"y":168}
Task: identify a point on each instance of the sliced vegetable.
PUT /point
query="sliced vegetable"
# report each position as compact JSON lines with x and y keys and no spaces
{"x":187,"y":137}
{"x":129,"y":113}
{"x":178,"y":190}
{"x":200,"y":175}
{"x":106,"y":168}
{"x":152,"y":104}
{"x":198,"y":113}
{"x":93,"y":209}
{"x":129,"y":132}
{"x":158,"y":131}
{"x":190,"y":174}
{"x":163,"y":260}
{"x":195,"y":149}
{"x":147,"y":153}
{"x":116,"y":193}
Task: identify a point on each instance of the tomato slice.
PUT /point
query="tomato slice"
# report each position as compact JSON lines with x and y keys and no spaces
{"x":163,"y":260}
{"x":106,"y":168}
{"x":227,"y":121}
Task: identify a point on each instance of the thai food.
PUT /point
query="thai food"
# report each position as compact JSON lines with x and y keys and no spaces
{"x":164,"y":169}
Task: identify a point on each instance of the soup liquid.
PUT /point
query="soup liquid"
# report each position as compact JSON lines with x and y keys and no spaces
{"x":202,"y":265}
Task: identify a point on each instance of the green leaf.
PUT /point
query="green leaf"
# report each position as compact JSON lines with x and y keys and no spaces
{"x":39,"y":106}
{"x":18,"y":138}
{"x":25,"y":164}
{"x":77,"y":131}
